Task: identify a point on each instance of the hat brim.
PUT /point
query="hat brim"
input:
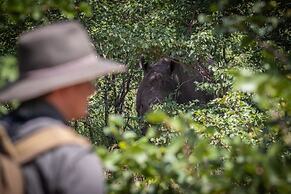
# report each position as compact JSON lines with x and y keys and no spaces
{"x":39,"y":82}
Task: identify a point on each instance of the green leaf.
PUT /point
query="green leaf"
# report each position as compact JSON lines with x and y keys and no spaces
{"x":86,"y":8}
{"x":156,"y":117}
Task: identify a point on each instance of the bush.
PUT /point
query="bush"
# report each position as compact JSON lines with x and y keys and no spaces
{"x":233,"y":115}
{"x":190,"y":163}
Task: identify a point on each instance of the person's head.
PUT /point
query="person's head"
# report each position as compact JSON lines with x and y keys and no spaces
{"x":58,"y":62}
{"x":71,"y":101}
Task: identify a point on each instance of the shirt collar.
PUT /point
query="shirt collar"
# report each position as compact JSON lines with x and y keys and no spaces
{"x":33,"y":109}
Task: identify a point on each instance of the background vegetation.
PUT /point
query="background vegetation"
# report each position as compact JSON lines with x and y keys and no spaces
{"x":237,"y":143}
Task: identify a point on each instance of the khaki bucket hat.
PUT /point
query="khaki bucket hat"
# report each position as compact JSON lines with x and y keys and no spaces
{"x":53,"y":57}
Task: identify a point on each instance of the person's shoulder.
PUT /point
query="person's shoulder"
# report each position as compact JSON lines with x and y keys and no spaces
{"x":70,"y":153}
{"x":62,"y":153}
{"x":65,"y":165}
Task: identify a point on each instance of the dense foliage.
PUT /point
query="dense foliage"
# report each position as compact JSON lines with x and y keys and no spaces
{"x":237,"y":143}
{"x":192,"y":163}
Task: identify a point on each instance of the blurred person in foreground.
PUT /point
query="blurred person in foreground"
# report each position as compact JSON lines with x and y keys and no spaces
{"x":56,"y":65}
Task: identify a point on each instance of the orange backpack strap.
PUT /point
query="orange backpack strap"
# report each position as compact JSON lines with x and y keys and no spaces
{"x":11,"y":177}
{"x":6,"y":144}
{"x":46,"y":139}
{"x":10,"y":174}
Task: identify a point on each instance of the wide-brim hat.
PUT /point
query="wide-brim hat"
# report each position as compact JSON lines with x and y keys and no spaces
{"x":54,"y":57}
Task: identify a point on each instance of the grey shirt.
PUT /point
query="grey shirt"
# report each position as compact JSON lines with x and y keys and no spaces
{"x":69,"y":169}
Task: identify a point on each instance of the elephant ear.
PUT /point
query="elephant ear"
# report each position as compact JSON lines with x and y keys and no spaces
{"x":143,"y":64}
